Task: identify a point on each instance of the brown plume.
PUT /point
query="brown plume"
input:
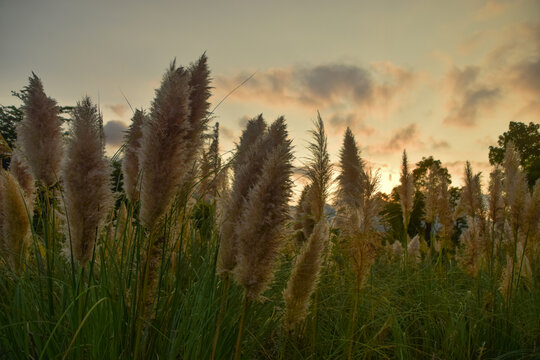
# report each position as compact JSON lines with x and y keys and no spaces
{"x":40,"y":133}
{"x":86,"y":176}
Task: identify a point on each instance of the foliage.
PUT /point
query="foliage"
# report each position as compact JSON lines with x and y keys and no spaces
{"x":433,"y":311}
{"x":420,"y":173}
{"x":526,"y":139}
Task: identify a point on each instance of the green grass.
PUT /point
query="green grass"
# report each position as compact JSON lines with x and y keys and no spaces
{"x":430,"y":311}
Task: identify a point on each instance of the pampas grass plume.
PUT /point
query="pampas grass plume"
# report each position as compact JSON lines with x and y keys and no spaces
{"x":163,"y":149}
{"x":15,"y":221}
{"x":470,"y":202}
{"x":413,"y":249}
{"x":86,"y":175}
{"x":474,"y":247}
{"x":444,"y":208}
{"x":432,"y":195}
{"x":265,"y":211}
{"x":305,"y":273}
{"x":40,"y":133}
{"x":246,"y":166}
{"x":397,"y":248}
{"x":305,"y":276}
{"x":319,"y":169}
{"x":515,"y":187}
{"x":350,"y":179}
{"x":171,"y":137}
{"x":406,"y":190}
{"x":496,"y":203}
{"x":533,"y":213}
{"x":21,"y":171}
{"x":130,"y":164}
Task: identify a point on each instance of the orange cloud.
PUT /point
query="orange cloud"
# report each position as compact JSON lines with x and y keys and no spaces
{"x":339,"y":88}
{"x":438,"y":144}
{"x":493,"y":9}
{"x":118,"y":109}
{"x":401,"y":138}
{"x":114,"y":132}
{"x":468,"y":96}
{"x":339,"y":121}
{"x":226,"y":132}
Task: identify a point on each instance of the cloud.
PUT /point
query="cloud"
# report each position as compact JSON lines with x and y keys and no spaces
{"x":468,"y":96}
{"x":118,"y":109}
{"x":226,"y":132}
{"x":438,"y":144}
{"x":492,"y":9}
{"x":332,"y":83}
{"x":526,"y":75}
{"x":114,"y":132}
{"x":401,"y":138}
{"x":336,"y":87}
{"x":472,"y":42}
{"x":339,"y":121}
{"x":243,"y":121}
{"x":486,"y":141}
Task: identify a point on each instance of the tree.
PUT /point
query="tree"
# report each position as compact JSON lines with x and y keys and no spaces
{"x":420,"y":173}
{"x":526,"y":139}
{"x":10,"y":116}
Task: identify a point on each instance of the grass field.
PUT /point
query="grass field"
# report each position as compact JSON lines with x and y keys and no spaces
{"x":185,"y":262}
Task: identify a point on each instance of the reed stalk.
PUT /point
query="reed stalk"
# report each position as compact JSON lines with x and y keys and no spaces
{"x":222,"y":307}
{"x":237,"y":347}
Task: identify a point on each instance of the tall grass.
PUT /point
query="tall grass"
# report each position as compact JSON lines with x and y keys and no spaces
{"x":371,"y":297}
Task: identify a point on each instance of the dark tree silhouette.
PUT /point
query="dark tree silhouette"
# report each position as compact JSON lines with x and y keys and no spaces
{"x":526,"y":138}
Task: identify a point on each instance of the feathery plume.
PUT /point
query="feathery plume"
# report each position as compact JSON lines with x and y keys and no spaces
{"x":357,"y":205}
{"x":21,"y":171}
{"x":432,"y":195}
{"x":532,"y":213}
{"x":305,"y":276}
{"x":350,"y":179}
{"x":199,"y":85}
{"x":250,"y":153}
{"x":371,"y":202}
{"x":496,"y":203}
{"x":475,"y":247}
{"x":397,"y":248}
{"x":15,"y":221}
{"x":319,"y":169}
{"x":444,"y":209}
{"x":130,"y":164}
{"x":413,"y":249}
{"x":470,"y":202}
{"x":364,"y":253}
{"x":406,"y":191}
{"x":515,"y":187}
{"x":171,"y":137}
{"x":213,"y":176}
{"x":40,"y":133}
{"x":304,"y":221}
{"x":5,"y":150}
{"x":86,"y":176}
{"x":264,"y":213}
{"x":517,"y":267}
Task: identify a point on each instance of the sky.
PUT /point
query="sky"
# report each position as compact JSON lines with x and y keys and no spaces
{"x":437,"y":78}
